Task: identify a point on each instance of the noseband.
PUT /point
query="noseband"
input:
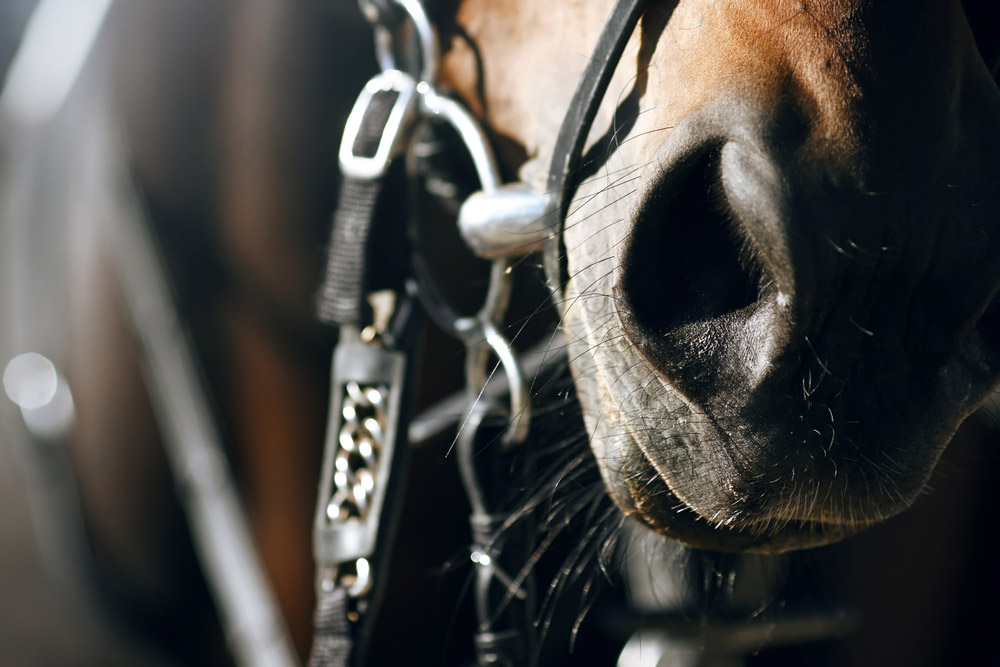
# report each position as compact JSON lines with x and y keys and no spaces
{"x":364,"y":456}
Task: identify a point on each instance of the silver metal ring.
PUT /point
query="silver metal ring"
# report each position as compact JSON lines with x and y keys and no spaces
{"x":469,"y":131}
{"x":385,"y":42}
{"x":427,"y":38}
{"x":384,"y":53}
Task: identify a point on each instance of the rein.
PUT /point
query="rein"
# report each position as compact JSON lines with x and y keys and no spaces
{"x":365,"y":455}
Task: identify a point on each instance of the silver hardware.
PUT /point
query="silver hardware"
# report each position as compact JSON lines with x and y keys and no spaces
{"x":481,"y":332}
{"x":355,"y":475}
{"x":481,"y":337}
{"x":508,"y":222}
{"x":385,"y":42}
{"x":391,"y":80}
{"x":365,"y":403}
{"x":394,"y":135}
{"x":469,"y":130}
{"x":426,"y":38}
{"x":368,"y":378}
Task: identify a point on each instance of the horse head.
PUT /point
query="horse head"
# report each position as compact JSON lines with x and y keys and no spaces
{"x":782,"y":272}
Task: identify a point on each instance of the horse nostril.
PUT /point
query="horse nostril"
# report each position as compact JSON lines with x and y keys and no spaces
{"x":687,"y":273}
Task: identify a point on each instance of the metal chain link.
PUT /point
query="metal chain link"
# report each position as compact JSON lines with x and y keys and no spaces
{"x":357,"y":457}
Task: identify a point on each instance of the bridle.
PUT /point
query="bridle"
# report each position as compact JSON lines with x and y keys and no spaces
{"x":359,"y":492}
{"x":360,"y":481}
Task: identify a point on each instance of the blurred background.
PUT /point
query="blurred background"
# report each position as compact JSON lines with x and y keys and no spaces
{"x":45,"y":618}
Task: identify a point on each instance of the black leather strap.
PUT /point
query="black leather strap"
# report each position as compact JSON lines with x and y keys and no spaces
{"x":563,"y":173}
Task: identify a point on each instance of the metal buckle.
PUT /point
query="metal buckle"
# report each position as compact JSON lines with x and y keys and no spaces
{"x":392,"y":133}
{"x":360,"y":449}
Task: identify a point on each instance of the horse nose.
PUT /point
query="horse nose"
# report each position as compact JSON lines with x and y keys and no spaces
{"x":749,"y":253}
{"x":702,"y":293}
{"x":799,"y":310}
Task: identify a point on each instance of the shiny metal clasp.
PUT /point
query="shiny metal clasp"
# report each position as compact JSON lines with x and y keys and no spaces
{"x":388,"y":102}
{"x":366,"y":393}
{"x":381,"y":122}
{"x":388,"y":45}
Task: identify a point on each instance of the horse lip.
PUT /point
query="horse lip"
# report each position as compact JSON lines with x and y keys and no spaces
{"x":647,"y":493}
{"x":683,"y":523}
{"x":744,"y":512}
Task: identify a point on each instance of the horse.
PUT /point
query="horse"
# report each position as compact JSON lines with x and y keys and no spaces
{"x":756,"y":336}
{"x":778,"y":278}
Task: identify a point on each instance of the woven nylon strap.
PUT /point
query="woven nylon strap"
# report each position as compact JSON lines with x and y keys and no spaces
{"x":353,"y":260}
{"x":334,"y":639}
{"x":342,"y":295}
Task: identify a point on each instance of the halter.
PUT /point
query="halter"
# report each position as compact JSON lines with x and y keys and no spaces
{"x":359,"y":494}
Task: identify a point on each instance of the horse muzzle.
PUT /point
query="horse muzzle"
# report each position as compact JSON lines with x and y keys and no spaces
{"x":828,"y":327}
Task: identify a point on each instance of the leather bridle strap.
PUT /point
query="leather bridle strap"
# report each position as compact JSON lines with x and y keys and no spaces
{"x":562,"y":183}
